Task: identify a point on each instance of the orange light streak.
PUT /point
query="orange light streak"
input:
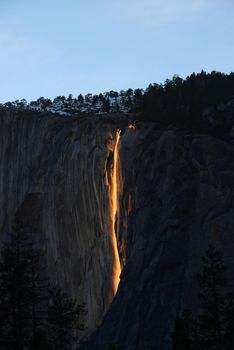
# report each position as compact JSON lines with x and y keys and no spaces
{"x":131,"y":126}
{"x":114,"y":212}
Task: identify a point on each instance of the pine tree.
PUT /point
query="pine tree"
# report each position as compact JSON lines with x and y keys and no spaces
{"x":27,"y":319}
{"x":40,"y":341}
{"x":184,"y":335}
{"x":106,"y":104}
{"x":69,"y":100}
{"x":63,"y":319}
{"x":229,"y":322}
{"x":212,"y":281}
{"x":95,"y":100}
{"x":38,"y":288}
{"x":81,"y":100}
{"x":138,"y":100}
{"x":14,"y":286}
{"x":21,"y":290}
{"x":214,"y":327}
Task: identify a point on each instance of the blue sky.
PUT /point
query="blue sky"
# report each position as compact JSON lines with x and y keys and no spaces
{"x":56,"y":47}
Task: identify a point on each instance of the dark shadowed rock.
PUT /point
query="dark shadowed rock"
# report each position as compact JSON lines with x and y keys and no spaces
{"x":176,"y":198}
{"x":182,"y":185}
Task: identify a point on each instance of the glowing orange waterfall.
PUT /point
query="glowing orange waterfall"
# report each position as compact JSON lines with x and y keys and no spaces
{"x":114,"y":211}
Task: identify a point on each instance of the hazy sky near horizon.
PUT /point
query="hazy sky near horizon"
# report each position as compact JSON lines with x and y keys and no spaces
{"x":56,"y":47}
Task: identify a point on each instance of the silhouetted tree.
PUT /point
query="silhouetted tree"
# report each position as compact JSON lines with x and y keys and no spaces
{"x":44,"y":102}
{"x":229,"y":322}
{"x":20,"y":290}
{"x":185,"y":102}
{"x":23,"y":289}
{"x":138,"y":100}
{"x":184,"y":335}
{"x":80,"y":99}
{"x":212,"y":282}
{"x":40,"y":341}
{"x":88,"y":98}
{"x":32,"y":315}
{"x":70,"y":100}
{"x":95,"y":100}
{"x":214,"y":327}
{"x":63,"y":319}
{"x":106,"y":104}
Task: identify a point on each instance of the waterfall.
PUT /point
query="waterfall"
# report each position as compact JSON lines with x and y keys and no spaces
{"x":114,"y":212}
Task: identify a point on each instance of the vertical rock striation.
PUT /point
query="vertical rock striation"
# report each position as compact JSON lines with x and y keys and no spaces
{"x":178,"y":195}
{"x":56,"y":176}
{"x":159,"y":195}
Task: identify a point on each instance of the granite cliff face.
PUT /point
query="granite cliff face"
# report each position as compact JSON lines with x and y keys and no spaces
{"x":180,"y":189}
{"x":56,"y":177}
{"x":173,"y":195}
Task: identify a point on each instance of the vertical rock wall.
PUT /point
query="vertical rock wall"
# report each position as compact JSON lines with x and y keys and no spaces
{"x":178,"y":197}
{"x":55,"y":177}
